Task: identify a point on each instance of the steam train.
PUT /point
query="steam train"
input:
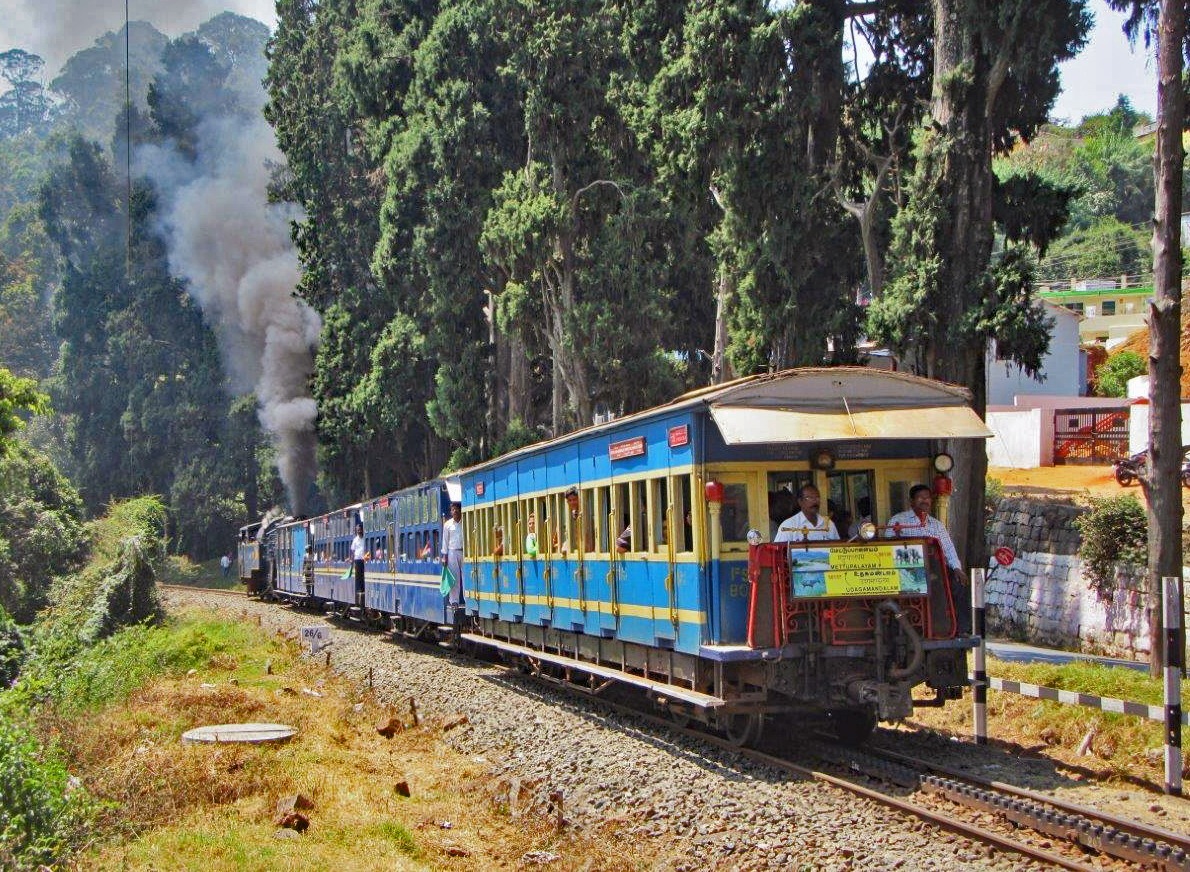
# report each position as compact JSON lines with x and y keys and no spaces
{"x":639,"y":552}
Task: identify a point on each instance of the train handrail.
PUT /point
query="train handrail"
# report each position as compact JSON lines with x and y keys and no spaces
{"x":671,"y":586}
{"x":613,"y":573}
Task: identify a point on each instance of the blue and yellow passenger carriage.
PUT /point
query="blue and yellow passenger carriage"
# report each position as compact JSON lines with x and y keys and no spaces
{"x":402,"y":541}
{"x":696,"y":606}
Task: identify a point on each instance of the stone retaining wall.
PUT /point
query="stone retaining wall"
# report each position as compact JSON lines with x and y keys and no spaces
{"x":1044,"y":598}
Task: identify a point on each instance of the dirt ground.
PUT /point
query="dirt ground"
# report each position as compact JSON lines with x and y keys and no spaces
{"x":1073,"y":479}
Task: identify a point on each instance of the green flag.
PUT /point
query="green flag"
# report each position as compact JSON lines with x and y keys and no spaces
{"x":347,"y":572}
{"x":448,"y":580}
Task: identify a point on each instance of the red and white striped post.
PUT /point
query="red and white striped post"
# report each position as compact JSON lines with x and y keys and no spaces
{"x":1172,"y":620}
{"x":979,"y":681}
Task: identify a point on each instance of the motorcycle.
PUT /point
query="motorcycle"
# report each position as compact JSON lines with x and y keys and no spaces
{"x":1128,"y":470}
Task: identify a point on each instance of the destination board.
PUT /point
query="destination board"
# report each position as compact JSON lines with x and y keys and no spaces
{"x":893,"y":569}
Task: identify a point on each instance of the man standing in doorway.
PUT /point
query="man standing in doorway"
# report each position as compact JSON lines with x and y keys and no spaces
{"x":452,"y":559}
{"x":359,"y":550}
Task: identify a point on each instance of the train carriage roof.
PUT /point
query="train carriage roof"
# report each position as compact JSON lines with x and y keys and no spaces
{"x":814,"y":404}
{"x":842,"y":403}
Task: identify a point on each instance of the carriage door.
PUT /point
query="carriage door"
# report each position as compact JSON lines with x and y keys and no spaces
{"x":729,"y":565}
{"x":849,"y":498}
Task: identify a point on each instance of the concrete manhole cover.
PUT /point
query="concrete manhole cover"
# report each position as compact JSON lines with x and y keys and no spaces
{"x":253,"y":733}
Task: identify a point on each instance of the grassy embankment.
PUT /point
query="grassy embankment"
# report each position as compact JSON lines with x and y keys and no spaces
{"x":93,"y":772}
{"x":1122,"y":746}
{"x":178,"y":806}
{"x":181,"y":570}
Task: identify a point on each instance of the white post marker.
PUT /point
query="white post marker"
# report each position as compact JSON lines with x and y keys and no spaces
{"x":979,"y":681}
{"x":1172,"y":601}
{"x":318,"y":635}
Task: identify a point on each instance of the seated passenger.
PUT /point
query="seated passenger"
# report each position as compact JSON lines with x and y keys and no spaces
{"x":807,"y":525}
{"x":624,"y":540}
{"x":531,"y":535}
{"x":864,"y":505}
{"x":782,"y":504}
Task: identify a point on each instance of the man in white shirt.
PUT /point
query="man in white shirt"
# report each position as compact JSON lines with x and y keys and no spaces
{"x":359,"y":549}
{"x":917,"y":521}
{"x":807,"y":525}
{"x":452,"y":553}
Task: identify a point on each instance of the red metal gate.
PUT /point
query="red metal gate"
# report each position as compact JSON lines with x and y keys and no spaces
{"x":1090,"y":436}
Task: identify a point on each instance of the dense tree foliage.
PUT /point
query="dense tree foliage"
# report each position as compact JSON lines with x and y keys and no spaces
{"x":1110,"y":172}
{"x":138,"y":381}
{"x":91,"y":82}
{"x":519,"y":215}
{"x":1112,"y":376}
{"x":41,"y":531}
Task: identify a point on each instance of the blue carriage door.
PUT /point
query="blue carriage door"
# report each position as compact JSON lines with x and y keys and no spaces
{"x":530,"y":547}
{"x":739,"y":511}
{"x":570,"y":572}
{"x":300,"y":558}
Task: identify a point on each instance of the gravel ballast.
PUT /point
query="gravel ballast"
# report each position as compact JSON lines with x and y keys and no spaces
{"x":686,"y":804}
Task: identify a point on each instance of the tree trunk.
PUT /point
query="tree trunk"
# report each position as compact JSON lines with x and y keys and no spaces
{"x":720,"y":368}
{"x":520,"y":402}
{"x":963,"y":172}
{"x":1163,"y":482}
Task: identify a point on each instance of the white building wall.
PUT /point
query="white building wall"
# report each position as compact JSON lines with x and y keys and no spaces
{"x":1138,"y":427}
{"x":1024,"y":438}
{"x":1062,"y":367}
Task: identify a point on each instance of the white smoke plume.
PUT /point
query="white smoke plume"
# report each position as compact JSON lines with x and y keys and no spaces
{"x":235,"y":250}
{"x":56,"y":29}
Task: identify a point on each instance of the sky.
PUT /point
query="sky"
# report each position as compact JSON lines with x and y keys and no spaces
{"x":1107,"y":67}
{"x":56,"y":29}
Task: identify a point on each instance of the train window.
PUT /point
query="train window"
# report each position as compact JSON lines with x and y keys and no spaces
{"x":604,"y":520}
{"x":734,"y":515}
{"x":620,"y":513}
{"x":436,"y":544}
{"x":552,"y":522}
{"x":898,"y":496}
{"x":849,"y":497}
{"x":588,"y":519}
{"x":683,"y":517}
{"x":638,"y":518}
{"x":783,"y":488}
{"x":658,"y":513}
{"x":499,"y":530}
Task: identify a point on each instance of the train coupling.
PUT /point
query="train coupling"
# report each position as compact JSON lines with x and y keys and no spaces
{"x":894,"y":702}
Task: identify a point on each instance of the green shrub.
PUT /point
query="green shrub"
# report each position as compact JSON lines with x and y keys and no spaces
{"x":1114,"y":531}
{"x":43,"y":815}
{"x":117,"y":589}
{"x":41,"y":530}
{"x":992,"y":494}
{"x":1111,"y":377}
{"x":12,"y":649}
{"x":109,"y":671}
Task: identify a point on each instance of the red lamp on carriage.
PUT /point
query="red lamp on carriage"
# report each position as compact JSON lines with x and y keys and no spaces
{"x":943,"y":484}
{"x":714,"y":491}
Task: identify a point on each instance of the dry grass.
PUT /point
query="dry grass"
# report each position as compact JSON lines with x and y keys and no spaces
{"x":211,"y":807}
{"x":1123,"y":748}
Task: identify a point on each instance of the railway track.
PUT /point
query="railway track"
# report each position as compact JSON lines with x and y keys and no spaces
{"x":1085,"y":829}
{"x":1009,"y":818}
{"x":1027,"y":823}
{"x":217,"y":591}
